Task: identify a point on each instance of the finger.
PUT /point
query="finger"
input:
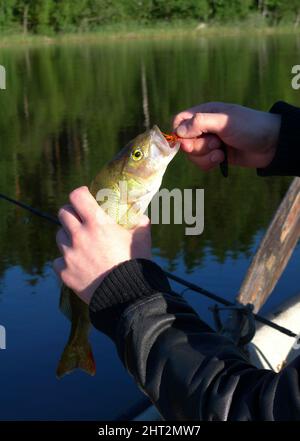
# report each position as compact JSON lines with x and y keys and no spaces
{"x":59,"y":265}
{"x":84,"y":204}
{"x":203,"y":123}
{"x":210,"y":107}
{"x":202,"y":145}
{"x":182,"y":116}
{"x":209,"y":161}
{"x":63,"y":240}
{"x":69,"y":219}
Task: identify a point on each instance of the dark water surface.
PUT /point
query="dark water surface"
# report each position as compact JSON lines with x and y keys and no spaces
{"x":65,"y":112}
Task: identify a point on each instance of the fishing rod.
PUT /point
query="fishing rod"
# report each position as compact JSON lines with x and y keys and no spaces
{"x":177,"y":279}
{"x":31,"y":209}
{"x":225,"y":302}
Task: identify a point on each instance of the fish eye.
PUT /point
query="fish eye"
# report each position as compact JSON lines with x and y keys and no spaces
{"x":137,"y":154}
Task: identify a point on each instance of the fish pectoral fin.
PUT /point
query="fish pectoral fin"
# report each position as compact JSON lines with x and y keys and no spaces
{"x":112,"y":204}
{"x":130,"y":217}
{"x":142,"y":203}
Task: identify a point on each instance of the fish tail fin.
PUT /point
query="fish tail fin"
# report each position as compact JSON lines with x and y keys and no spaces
{"x":76,"y":357}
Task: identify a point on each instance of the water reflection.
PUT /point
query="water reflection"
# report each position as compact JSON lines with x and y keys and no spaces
{"x":65,"y":112}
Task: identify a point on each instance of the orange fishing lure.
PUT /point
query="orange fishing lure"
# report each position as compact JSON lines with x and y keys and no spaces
{"x":171,"y":137}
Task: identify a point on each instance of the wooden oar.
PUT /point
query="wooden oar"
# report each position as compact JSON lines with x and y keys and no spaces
{"x":274,"y":251}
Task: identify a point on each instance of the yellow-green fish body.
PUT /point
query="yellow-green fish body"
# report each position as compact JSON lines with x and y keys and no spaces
{"x":124,"y":188}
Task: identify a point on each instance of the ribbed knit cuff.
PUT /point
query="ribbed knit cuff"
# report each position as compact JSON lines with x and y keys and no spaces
{"x":125,"y":284}
{"x":286,"y":161}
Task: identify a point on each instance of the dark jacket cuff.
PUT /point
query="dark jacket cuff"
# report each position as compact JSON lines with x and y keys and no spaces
{"x":124,"y":285}
{"x":286,"y":161}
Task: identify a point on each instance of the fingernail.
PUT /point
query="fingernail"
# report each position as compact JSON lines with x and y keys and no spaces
{"x":215,"y":157}
{"x":181,"y":131}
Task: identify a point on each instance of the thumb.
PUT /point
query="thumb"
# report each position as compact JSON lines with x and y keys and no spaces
{"x":203,"y":123}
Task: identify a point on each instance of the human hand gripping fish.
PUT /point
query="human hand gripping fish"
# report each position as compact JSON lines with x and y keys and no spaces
{"x":124,"y":188}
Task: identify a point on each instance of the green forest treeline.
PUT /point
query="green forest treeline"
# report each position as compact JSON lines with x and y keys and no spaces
{"x":68,"y":110}
{"x":52,"y":16}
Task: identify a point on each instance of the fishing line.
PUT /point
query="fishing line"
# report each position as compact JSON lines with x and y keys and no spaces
{"x":171,"y":276}
{"x":225,"y":302}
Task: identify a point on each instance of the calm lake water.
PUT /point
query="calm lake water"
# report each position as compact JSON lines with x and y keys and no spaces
{"x":65,"y":112}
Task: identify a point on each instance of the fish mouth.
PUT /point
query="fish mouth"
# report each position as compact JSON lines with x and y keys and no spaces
{"x":158,"y":139}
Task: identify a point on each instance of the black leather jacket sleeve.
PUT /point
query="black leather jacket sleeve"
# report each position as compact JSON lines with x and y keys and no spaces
{"x":287,"y":158}
{"x":188,"y":371}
